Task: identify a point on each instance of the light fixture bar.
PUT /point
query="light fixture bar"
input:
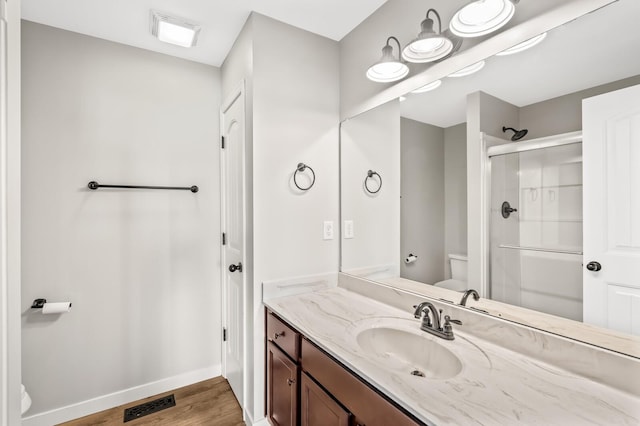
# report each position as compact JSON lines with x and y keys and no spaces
{"x":174,"y":30}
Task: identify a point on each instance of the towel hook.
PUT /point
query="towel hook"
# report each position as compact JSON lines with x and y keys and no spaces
{"x":370,"y":175}
{"x":301,"y":168}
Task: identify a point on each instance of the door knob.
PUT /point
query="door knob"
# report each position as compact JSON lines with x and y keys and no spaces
{"x":594,"y":266}
{"x":233,"y":268}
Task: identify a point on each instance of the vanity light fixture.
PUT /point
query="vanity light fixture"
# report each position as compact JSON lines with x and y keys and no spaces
{"x":528,"y":44}
{"x":388,"y":68}
{"x":428,"y":87}
{"x":468,"y":70}
{"x":429,"y":46}
{"x":170,"y":29}
{"x":482,"y":17}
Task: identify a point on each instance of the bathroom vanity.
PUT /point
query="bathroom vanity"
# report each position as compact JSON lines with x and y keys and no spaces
{"x":357,"y":356}
{"x":329,"y":394}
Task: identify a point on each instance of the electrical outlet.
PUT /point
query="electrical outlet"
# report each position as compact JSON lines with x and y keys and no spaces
{"x":348,"y":229}
{"x":327,"y":230}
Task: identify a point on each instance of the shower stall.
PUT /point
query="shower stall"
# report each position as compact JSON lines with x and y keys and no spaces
{"x":535,"y":224}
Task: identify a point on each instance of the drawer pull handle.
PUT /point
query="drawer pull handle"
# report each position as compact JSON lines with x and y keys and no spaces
{"x":281,"y":334}
{"x":290,"y":381}
{"x":360,"y":424}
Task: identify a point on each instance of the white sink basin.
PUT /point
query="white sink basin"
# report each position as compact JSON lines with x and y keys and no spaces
{"x":409,"y":352}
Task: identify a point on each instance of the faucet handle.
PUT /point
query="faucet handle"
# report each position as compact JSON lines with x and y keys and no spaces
{"x":448,"y":320}
{"x":447,"y":328}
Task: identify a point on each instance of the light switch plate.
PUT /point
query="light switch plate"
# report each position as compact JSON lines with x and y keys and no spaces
{"x":348,"y":229}
{"x":327,"y":230}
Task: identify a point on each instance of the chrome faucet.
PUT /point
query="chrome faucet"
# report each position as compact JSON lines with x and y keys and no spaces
{"x":431,"y":320}
{"x":465,"y":296}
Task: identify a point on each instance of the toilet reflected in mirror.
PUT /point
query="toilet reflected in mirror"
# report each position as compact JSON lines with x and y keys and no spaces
{"x":458,"y":280}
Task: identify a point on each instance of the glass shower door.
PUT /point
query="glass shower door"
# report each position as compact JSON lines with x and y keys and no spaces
{"x":536,"y":229}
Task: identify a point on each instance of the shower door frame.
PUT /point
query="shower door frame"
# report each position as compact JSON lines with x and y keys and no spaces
{"x":492,"y":146}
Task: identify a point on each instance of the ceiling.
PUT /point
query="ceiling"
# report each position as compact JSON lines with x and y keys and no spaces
{"x":127,"y":21}
{"x":598,"y":48}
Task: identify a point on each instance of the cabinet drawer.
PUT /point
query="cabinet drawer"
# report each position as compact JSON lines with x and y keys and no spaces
{"x":283,"y":336}
{"x":367,"y":406}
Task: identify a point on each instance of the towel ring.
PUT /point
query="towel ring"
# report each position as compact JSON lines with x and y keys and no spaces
{"x":370,"y":174}
{"x":301,"y":168}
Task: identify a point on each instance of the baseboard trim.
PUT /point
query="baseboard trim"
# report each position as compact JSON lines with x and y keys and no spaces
{"x":94,"y":405}
{"x":249,"y":420}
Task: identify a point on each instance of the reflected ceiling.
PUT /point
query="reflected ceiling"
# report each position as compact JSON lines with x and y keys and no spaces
{"x":595,"y":49}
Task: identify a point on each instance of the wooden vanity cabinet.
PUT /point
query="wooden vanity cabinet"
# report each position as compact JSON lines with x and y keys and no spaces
{"x":317,"y":407}
{"x":283,"y":372}
{"x":306,"y":386}
{"x":366,"y":405}
{"x":283,"y":376}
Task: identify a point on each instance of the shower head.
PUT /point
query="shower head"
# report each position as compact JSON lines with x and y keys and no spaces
{"x":517,"y":135}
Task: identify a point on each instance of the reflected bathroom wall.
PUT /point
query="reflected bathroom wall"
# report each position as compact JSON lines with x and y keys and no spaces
{"x":371,"y":141}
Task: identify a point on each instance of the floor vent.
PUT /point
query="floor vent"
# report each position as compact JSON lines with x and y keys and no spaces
{"x":149,"y":408}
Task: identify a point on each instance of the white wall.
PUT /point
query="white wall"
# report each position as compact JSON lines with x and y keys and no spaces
{"x":422,"y":206}
{"x":455,"y":192}
{"x":141,"y":267}
{"x":371,"y":141}
{"x":10,"y":362}
{"x":292,"y":111}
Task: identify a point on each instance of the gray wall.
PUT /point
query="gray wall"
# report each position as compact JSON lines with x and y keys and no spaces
{"x":292,"y":116}
{"x":423,"y":200}
{"x":455,"y":193}
{"x":141,"y":267}
{"x":563,"y":114}
{"x":371,"y":141}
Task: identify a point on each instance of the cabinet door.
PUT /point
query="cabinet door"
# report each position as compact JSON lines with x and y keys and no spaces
{"x":282,"y":388}
{"x":317,"y":408}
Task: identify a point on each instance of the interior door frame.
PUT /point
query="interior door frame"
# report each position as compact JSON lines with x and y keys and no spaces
{"x":237,"y":92}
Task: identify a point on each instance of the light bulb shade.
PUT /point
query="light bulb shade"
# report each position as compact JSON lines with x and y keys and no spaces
{"x":387,"y":72}
{"x":471,"y":69}
{"x":481,"y":17}
{"x":427,"y":48}
{"x":528,"y":44}
{"x":428,"y":87}
{"x":388,"y":68}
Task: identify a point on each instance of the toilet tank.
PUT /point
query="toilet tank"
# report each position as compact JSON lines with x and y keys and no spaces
{"x":458,"y":267}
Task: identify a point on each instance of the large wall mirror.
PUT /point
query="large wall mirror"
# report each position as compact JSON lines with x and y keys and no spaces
{"x":414,"y":170}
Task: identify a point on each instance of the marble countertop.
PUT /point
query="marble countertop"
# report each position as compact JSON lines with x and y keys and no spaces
{"x":496,"y":386}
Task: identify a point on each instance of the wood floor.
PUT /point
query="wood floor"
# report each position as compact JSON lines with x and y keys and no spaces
{"x":206,"y":403}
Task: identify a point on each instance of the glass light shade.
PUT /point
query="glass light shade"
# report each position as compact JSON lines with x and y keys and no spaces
{"x":528,"y":44}
{"x":388,"y":68}
{"x":174,"y":30}
{"x":386,"y":72}
{"x":427,"y":49}
{"x":428,"y":87}
{"x":468,"y":70}
{"x":481,"y":17}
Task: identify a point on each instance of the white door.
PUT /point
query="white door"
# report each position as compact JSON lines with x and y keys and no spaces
{"x":233,"y":220}
{"x":611,"y":152}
